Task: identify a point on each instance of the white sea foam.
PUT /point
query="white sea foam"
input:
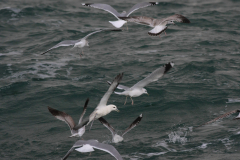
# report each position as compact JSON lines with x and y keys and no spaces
{"x":203,"y":146}
{"x":153,"y":154}
{"x":231,"y":100}
{"x":177,"y":136}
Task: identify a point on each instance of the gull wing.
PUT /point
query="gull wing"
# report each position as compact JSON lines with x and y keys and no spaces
{"x":91,"y":34}
{"x":222,"y":116}
{"x":68,"y":153}
{"x":140,"y":20}
{"x":133,"y":124}
{"x":178,"y":18}
{"x":63,"y":43}
{"x":107,"y":125}
{"x":62,"y":116}
{"x":154,"y":76}
{"x":84,"y":111}
{"x":112,"y":87}
{"x":107,"y":148}
{"x":140,"y":5}
{"x":119,"y":86}
{"x":104,"y":7}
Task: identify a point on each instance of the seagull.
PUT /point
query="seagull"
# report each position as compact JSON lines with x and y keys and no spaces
{"x":89,"y":145}
{"x":115,"y":137}
{"x":103,"y":109}
{"x":225,"y":115}
{"x":80,"y":43}
{"x":75,"y":131}
{"x":159,"y":25}
{"x":137,"y":89}
{"x":119,"y":23}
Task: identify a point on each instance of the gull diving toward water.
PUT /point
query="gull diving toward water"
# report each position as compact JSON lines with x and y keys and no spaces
{"x":119,"y":23}
{"x":115,"y":137}
{"x":88,"y":146}
{"x":75,"y":131}
{"x":103,"y":109}
{"x":159,"y":25}
{"x":80,"y":43}
{"x":225,"y":115}
{"x":137,"y":89}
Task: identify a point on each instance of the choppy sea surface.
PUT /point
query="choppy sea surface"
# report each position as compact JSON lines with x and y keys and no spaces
{"x":203,"y":84}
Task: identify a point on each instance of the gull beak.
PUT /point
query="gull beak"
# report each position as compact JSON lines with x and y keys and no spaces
{"x":147,"y":94}
{"x":117,"y":110}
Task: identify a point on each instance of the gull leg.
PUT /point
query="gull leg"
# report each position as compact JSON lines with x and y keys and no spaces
{"x":131,"y":99}
{"x":125,"y":100}
{"x":159,"y":36}
{"x":165,"y":33}
{"x":82,"y":51}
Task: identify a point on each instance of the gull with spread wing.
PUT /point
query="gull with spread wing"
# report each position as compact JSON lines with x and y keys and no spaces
{"x":75,"y":131}
{"x":159,"y":25}
{"x":80,"y":43}
{"x":119,"y":23}
{"x":89,"y":145}
{"x":137,"y":89}
{"x":115,"y":137}
{"x":225,"y":115}
{"x":103,"y":109}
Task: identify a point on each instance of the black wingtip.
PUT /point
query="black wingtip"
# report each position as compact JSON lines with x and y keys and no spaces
{"x":108,"y":82}
{"x":86,"y":103}
{"x":168,"y":66}
{"x":87,"y":4}
{"x":54,"y":112}
{"x":183,"y":19}
{"x":153,"y":3}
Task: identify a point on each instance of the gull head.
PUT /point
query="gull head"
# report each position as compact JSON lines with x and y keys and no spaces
{"x":145,"y":91}
{"x":170,"y":22}
{"x":113,"y":107}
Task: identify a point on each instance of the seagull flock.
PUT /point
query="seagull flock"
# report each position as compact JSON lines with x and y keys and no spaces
{"x":77,"y":130}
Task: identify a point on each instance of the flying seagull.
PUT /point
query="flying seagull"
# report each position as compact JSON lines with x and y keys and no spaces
{"x":75,"y":131}
{"x":159,"y":25}
{"x":103,"y":109}
{"x":80,"y":43}
{"x":89,"y":145}
{"x":119,"y":23}
{"x":138,"y":89}
{"x":115,"y":137}
{"x":224,"y":115}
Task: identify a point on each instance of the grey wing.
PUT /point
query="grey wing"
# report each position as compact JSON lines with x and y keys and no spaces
{"x":104,"y":7}
{"x":154,"y":76}
{"x":112,"y":87}
{"x":133,"y":124}
{"x":140,"y":5}
{"x":63,"y":43}
{"x":84,"y":111}
{"x":178,"y":18}
{"x":68,"y":153}
{"x":107,"y":148}
{"x":119,"y":86}
{"x":140,"y":20}
{"x":222,"y":116}
{"x":107,"y":125}
{"x":62,"y":116}
{"x":91,"y":34}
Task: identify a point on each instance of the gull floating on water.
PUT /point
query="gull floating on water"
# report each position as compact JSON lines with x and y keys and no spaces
{"x":89,"y":145}
{"x":225,"y":115}
{"x":137,"y":89}
{"x":75,"y":131}
{"x":115,"y":137}
{"x":80,"y":43}
{"x":110,"y":9}
{"x":159,"y":25}
{"x":103,"y":109}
